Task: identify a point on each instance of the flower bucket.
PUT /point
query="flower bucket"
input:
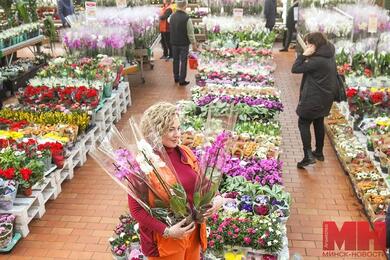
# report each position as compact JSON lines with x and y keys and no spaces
{"x":7,"y":236}
{"x":7,"y":200}
{"x":193,"y":62}
{"x":107,"y":90}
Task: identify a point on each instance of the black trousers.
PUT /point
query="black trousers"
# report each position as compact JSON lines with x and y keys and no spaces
{"x":180,"y":56}
{"x":319,"y":132}
{"x":287,"y":37}
{"x":166,"y":44}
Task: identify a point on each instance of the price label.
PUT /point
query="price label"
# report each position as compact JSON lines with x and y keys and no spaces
{"x":238,"y":13}
{"x":90,"y":10}
{"x":121,"y":3}
{"x":372,"y":23}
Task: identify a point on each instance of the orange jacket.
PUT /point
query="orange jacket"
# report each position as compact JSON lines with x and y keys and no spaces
{"x":170,"y":246}
{"x":164,"y":25}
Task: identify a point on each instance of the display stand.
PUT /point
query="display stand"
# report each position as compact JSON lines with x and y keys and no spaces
{"x":27,"y":208}
{"x":9,"y":51}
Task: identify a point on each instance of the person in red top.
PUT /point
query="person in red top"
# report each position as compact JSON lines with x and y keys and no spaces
{"x":166,"y":11}
{"x":178,"y":242}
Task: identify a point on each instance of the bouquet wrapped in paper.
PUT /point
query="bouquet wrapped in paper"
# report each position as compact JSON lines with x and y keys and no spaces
{"x":144,"y":172}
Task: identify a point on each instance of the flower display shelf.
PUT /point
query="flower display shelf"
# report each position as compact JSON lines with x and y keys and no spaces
{"x":15,"y":239}
{"x":366,"y":198}
{"x":27,"y":208}
{"x":12,"y":49}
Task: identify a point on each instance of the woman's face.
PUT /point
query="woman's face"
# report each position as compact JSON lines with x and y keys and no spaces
{"x":172,"y":137}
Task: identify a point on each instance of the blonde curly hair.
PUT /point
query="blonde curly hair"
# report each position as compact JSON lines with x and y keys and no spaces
{"x":157,"y":119}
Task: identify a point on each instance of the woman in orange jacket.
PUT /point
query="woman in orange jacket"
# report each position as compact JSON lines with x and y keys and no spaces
{"x":165,"y":13}
{"x":180,"y":241}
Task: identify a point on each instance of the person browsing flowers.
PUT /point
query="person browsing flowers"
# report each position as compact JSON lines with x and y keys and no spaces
{"x":181,"y":241}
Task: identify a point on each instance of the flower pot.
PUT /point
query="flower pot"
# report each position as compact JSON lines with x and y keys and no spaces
{"x":59,"y":160}
{"x":7,"y":200}
{"x":7,"y":236}
{"x":107,"y":90}
{"x":27,"y":191}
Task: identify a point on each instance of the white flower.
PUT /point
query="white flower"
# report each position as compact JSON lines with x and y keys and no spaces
{"x":275,"y":241}
{"x":136,"y":227}
{"x":269,"y":243}
{"x":146,"y":168}
{"x":271,"y":229}
{"x":111,"y":239}
{"x":145,"y":147}
{"x":122,"y":234}
{"x":278,"y":232}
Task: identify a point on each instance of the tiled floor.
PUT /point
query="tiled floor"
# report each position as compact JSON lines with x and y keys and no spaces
{"x":79,"y":222}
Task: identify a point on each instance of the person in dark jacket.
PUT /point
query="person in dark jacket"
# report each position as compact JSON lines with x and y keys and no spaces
{"x":290,"y":26}
{"x":65,"y":8}
{"x":317,"y":93}
{"x":182,"y":35}
{"x":166,"y":11}
{"x":270,"y":13}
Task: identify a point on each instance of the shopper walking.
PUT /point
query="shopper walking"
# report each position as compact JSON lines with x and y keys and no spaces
{"x":178,"y":242}
{"x":65,"y":8}
{"x":166,"y":12}
{"x":182,"y":35}
{"x":290,"y":26}
{"x":317,"y":93}
{"x":270,"y":13}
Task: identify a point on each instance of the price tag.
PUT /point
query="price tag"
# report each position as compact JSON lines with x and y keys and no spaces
{"x":90,"y":10}
{"x":238,"y":13}
{"x":372,"y":23}
{"x":121,"y":3}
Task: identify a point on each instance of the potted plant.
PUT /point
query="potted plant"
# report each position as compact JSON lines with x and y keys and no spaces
{"x":6,"y":229}
{"x":7,"y":193}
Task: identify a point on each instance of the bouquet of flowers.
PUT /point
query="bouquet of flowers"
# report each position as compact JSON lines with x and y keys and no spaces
{"x":144,"y":172}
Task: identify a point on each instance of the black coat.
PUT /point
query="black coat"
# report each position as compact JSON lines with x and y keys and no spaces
{"x":290,"y":22}
{"x":270,"y":13}
{"x":319,"y":82}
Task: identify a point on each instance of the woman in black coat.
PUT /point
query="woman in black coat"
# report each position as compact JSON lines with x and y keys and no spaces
{"x":317,"y":93}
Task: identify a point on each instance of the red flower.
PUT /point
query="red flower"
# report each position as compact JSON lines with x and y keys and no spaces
{"x":8,"y":174}
{"x":377,"y":97}
{"x":26,"y":173}
{"x":351,"y":92}
{"x":367,"y":72}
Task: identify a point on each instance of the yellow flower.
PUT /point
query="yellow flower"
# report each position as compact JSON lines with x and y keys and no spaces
{"x":374,"y":89}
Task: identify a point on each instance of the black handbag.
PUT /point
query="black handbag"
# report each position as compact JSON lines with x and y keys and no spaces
{"x":341,"y":94}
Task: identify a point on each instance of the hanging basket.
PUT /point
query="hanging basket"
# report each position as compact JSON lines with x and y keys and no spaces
{"x":7,"y":236}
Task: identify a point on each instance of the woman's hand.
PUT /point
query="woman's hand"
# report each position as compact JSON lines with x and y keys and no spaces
{"x":217,"y":204}
{"x":311,"y":48}
{"x":178,"y":231}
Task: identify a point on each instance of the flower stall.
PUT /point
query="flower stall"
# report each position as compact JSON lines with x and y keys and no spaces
{"x":60,"y":115}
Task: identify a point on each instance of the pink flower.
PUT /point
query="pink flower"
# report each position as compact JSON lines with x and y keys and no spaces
{"x":237,"y":230}
{"x":211,"y":243}
{"x":247,"y":240}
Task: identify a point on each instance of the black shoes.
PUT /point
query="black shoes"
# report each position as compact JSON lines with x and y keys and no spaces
{"x":283,"y":50}
{"x":307,"y":160}
{"x":319,"y":156}
{"x":184,"y":83}
{"x":176,"y":81}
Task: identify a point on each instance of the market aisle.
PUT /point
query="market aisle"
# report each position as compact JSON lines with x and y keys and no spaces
{"x":320,"y":193}
{"x":79,"y":222}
